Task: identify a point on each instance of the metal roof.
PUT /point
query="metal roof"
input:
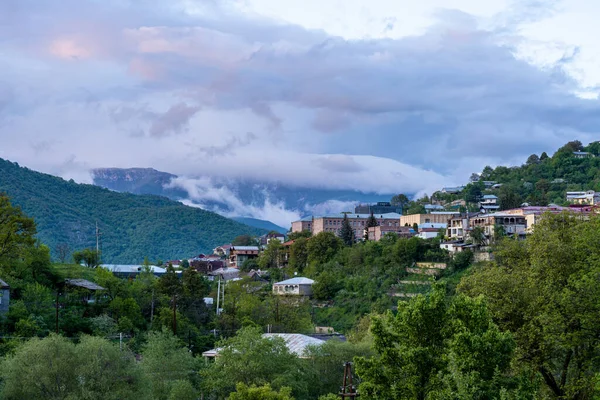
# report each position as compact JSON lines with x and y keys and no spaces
{"x":296,"y":281}
{"x":246,"y":248}
{"x":490,"y":196}
{"x":4,"y":285}
{"x":83,"y":283}
{"x":295,"y":342}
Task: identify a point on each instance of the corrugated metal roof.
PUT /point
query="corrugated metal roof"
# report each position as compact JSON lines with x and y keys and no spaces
{"x":296,"y":281}
{"x":247,"y":248}
{"x":4,"y":285}
{"x":295,"y":342}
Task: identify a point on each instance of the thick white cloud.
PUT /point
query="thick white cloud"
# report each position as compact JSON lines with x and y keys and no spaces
{"x":399,"y":97}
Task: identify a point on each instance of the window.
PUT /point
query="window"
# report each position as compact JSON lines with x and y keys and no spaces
{"x":427,"y":220}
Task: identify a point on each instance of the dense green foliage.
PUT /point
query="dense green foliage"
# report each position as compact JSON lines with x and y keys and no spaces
{"x":544,"y":180}
{"x":546,"y":291}
{"x":132,"y":226}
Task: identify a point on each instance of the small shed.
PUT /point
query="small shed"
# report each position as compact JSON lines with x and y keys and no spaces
{"x":4,"y":296}
{"x":296,"y":286}
{"x":90,"y":288}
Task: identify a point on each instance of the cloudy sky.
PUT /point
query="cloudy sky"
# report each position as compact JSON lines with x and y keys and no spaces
{"x":384,"y":95}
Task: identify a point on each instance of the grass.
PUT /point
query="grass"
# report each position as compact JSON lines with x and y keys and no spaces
{"x":74,"y":271}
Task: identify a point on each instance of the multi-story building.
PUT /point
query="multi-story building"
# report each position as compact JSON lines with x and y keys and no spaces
{"x":305,"y":224}
{"x":358,"y":222}
{"x":375,"y":233}
{"x":589,"y":198}
{"x":511,"y":223}
{"x":382,"y":207}
{"x":489,"y":203}
{"x":239,"y":254}
{"x":458,"y":226}
{"x":431,"y":218}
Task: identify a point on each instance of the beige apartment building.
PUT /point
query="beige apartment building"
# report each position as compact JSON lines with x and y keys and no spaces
{"x":358,"y":222}
{"x":432,"y":218}
{"x":305,"y":224}
{"x":375,"y":233}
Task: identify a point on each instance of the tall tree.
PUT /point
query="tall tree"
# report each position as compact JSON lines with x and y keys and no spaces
{"x":323,"y":247}
{"x":509,"y":197}
{"x":545,"y":290}
{"x":371,"y":222}
{"x":271,"y":256}
{"x":170,"y":285}
{"x":400,"y":200}
{"x":16,"y":232}
{"x":436,"y":347}
{"x":90,"y":257}
{"x":299,"y":254}
{"x":251,"y":359}
{"x":346,"y":232}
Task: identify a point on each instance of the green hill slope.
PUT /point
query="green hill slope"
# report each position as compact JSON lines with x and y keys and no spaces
{"x":132,"y":226}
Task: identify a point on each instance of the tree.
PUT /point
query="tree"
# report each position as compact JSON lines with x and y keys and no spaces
{"x":244,"y":240}
{"x":185,"y":264}
{"x":271,"y":256}
{"x":532,"y":160}
{"x":298,"y":254}
{"x":167,"y":362}
{"x":478,"y":236}
{"x":544,"y":156}
{"x":251,"y":359}
{"x":325,"y":364}
{"x":56,"y":368}
{"x":371,"y":222}
{"x":432,"y":347}
{"x":90,"y":257}
{"x":16,"y":232}
{"x":63,"y":250}
{"x":473,"y":192}
{"x":544,"y":290}
{"x":474,"y":177}
{"x":508,"y":197}
{"x":346,"y":232}
{"x":400,"y":200}
{"x":323,"y":247}
{"x":298,"y":235}
{"x":244,"y":392}
{"x":416,"y":208}
{"x":170,"y":285}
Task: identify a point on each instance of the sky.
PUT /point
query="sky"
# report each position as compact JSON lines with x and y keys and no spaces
{"x":385,"y":96}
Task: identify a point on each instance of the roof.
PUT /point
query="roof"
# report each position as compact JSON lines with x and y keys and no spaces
{"x":433,"y":207}
{"x":4,"y":285}
{"x":365,"y":216}
{"x":296,"y":281}
{"x":434,"y":225}
{"x":134,"y":269}
{"x":245,"y":248}
{"x":82,"y":283}
{"x":490,"y":196}
{"x":295,"y":342}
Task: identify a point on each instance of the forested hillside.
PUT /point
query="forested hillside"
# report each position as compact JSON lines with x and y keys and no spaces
{"x":543,"y":179}
{"x":540,"y":181}
{"x":132,"y":226}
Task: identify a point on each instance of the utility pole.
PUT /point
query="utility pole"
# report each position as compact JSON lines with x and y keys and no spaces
{"x":218,"y":294}
{"x":57,"y":310}
{"x":174,"y":316}
{"x":348,"y":390}
{"x":98,"y":242}
{"x":152,"y":308}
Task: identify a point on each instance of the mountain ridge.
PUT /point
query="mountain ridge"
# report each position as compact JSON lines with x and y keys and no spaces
{"x":132,"y":226}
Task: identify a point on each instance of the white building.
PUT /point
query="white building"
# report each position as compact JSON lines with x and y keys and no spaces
{"x":296,"y":286}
